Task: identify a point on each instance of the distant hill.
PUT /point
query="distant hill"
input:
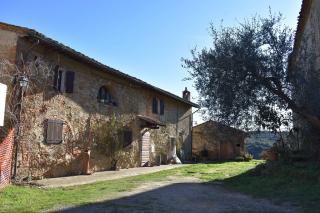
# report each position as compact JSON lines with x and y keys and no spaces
{"x":260,"y":141}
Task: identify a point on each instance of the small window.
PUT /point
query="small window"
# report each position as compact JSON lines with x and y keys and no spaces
{"x":63,"y":80}
{"x":127,"y":138}
{"x":54,"y":131}
{"x":57,"y":79}
{"x":69,"y":81}
{"x":105,"y":97}
{"x":155,"y":105}
{"x":161,"y":107}
{"x":36,"y":61}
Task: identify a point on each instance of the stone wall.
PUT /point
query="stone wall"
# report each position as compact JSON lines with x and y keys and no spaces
{"x":305,"y":67}
{"x":214,"y":141}
{"x":8,"y":43}
{"x":80,"y":111}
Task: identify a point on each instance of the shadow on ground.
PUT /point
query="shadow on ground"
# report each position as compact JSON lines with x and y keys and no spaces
{"x":185,"y":196}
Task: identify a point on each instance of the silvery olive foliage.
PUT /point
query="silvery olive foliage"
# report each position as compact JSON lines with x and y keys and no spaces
{"x":243,"y":78}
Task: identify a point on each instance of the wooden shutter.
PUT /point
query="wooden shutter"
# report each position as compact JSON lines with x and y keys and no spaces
{"x":54,"y":131}
{"x":60,"y":73}
{"x":57,"y":78}
{"x":69,"y":81}
{"x":155,"y":106}
{"x":161,"y":107}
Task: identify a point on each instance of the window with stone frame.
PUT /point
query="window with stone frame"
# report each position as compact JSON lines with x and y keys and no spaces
{"x":105,"y":97}
{"x":127,"y":138}
{"x":155,"y":105}
{"x":161,"y":107}
{"x":63,"y":81}
{"x":57,"y":79}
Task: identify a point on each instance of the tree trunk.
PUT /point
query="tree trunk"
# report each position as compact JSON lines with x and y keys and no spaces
{"x":311,"y":119}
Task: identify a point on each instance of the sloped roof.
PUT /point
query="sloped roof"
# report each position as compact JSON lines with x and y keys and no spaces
{"x":33,"y":34}
{"x":151,"y":120}
{"x":220,"y":125}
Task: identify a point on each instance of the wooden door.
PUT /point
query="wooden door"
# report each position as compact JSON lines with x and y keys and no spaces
{"x":145,"y":149}
{"x":226,"y":150}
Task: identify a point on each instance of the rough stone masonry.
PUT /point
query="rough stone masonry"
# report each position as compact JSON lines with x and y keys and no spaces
{"x":57,"y":118}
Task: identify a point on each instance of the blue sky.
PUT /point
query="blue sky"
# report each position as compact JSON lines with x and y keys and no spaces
{"x":143,"y":38}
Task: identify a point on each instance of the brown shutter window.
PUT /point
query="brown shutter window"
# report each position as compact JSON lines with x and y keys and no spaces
{"x":60,"y":72}
{"x":57,"y":79}
{"x":54,"y":131}
{"x":69,"y":81}
{"x":155,"y":105}
{"x":161,"y":107}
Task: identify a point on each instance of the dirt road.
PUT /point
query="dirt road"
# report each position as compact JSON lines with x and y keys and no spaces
{"x":186,"y":195}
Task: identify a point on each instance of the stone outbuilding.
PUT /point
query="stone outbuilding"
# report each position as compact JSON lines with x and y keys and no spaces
{"x":214,"y":141}
{"x":61,"y":112}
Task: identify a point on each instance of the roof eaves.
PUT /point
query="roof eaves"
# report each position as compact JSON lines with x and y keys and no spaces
{"x":220,"y":124}
{"x":51,"y":42}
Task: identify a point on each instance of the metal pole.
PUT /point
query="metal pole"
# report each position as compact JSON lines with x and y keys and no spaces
{"x":18,"y":133}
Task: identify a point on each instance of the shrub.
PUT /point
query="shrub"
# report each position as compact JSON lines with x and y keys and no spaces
{"x":270,"y":154}
{"x":239,"y":158}
{"x":247,"y":157}
{"x":108,"y":136}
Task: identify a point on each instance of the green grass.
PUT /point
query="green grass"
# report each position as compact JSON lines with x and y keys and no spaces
{"x":33,"y":199}
{"x":218,"y":171}
{"x":25,"y":199}
{"x":298,"y":184}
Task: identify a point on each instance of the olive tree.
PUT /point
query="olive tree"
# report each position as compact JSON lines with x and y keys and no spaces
{"x":243,"y":78}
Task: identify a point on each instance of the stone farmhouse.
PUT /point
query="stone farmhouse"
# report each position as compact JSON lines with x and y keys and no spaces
{"x":82,"y":92}
{"x":214,"y":141}
{"x":305,"y":67}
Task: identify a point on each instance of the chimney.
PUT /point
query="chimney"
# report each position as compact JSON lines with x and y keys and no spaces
{"x":186,"y":94}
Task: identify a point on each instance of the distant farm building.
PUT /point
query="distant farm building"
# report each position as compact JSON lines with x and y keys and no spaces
{"x":215,"y":141}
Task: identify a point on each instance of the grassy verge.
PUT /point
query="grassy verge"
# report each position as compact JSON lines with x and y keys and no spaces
{"x":218,"y":171}
{"x":33,"y":199}
{"x":296,"y":183}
